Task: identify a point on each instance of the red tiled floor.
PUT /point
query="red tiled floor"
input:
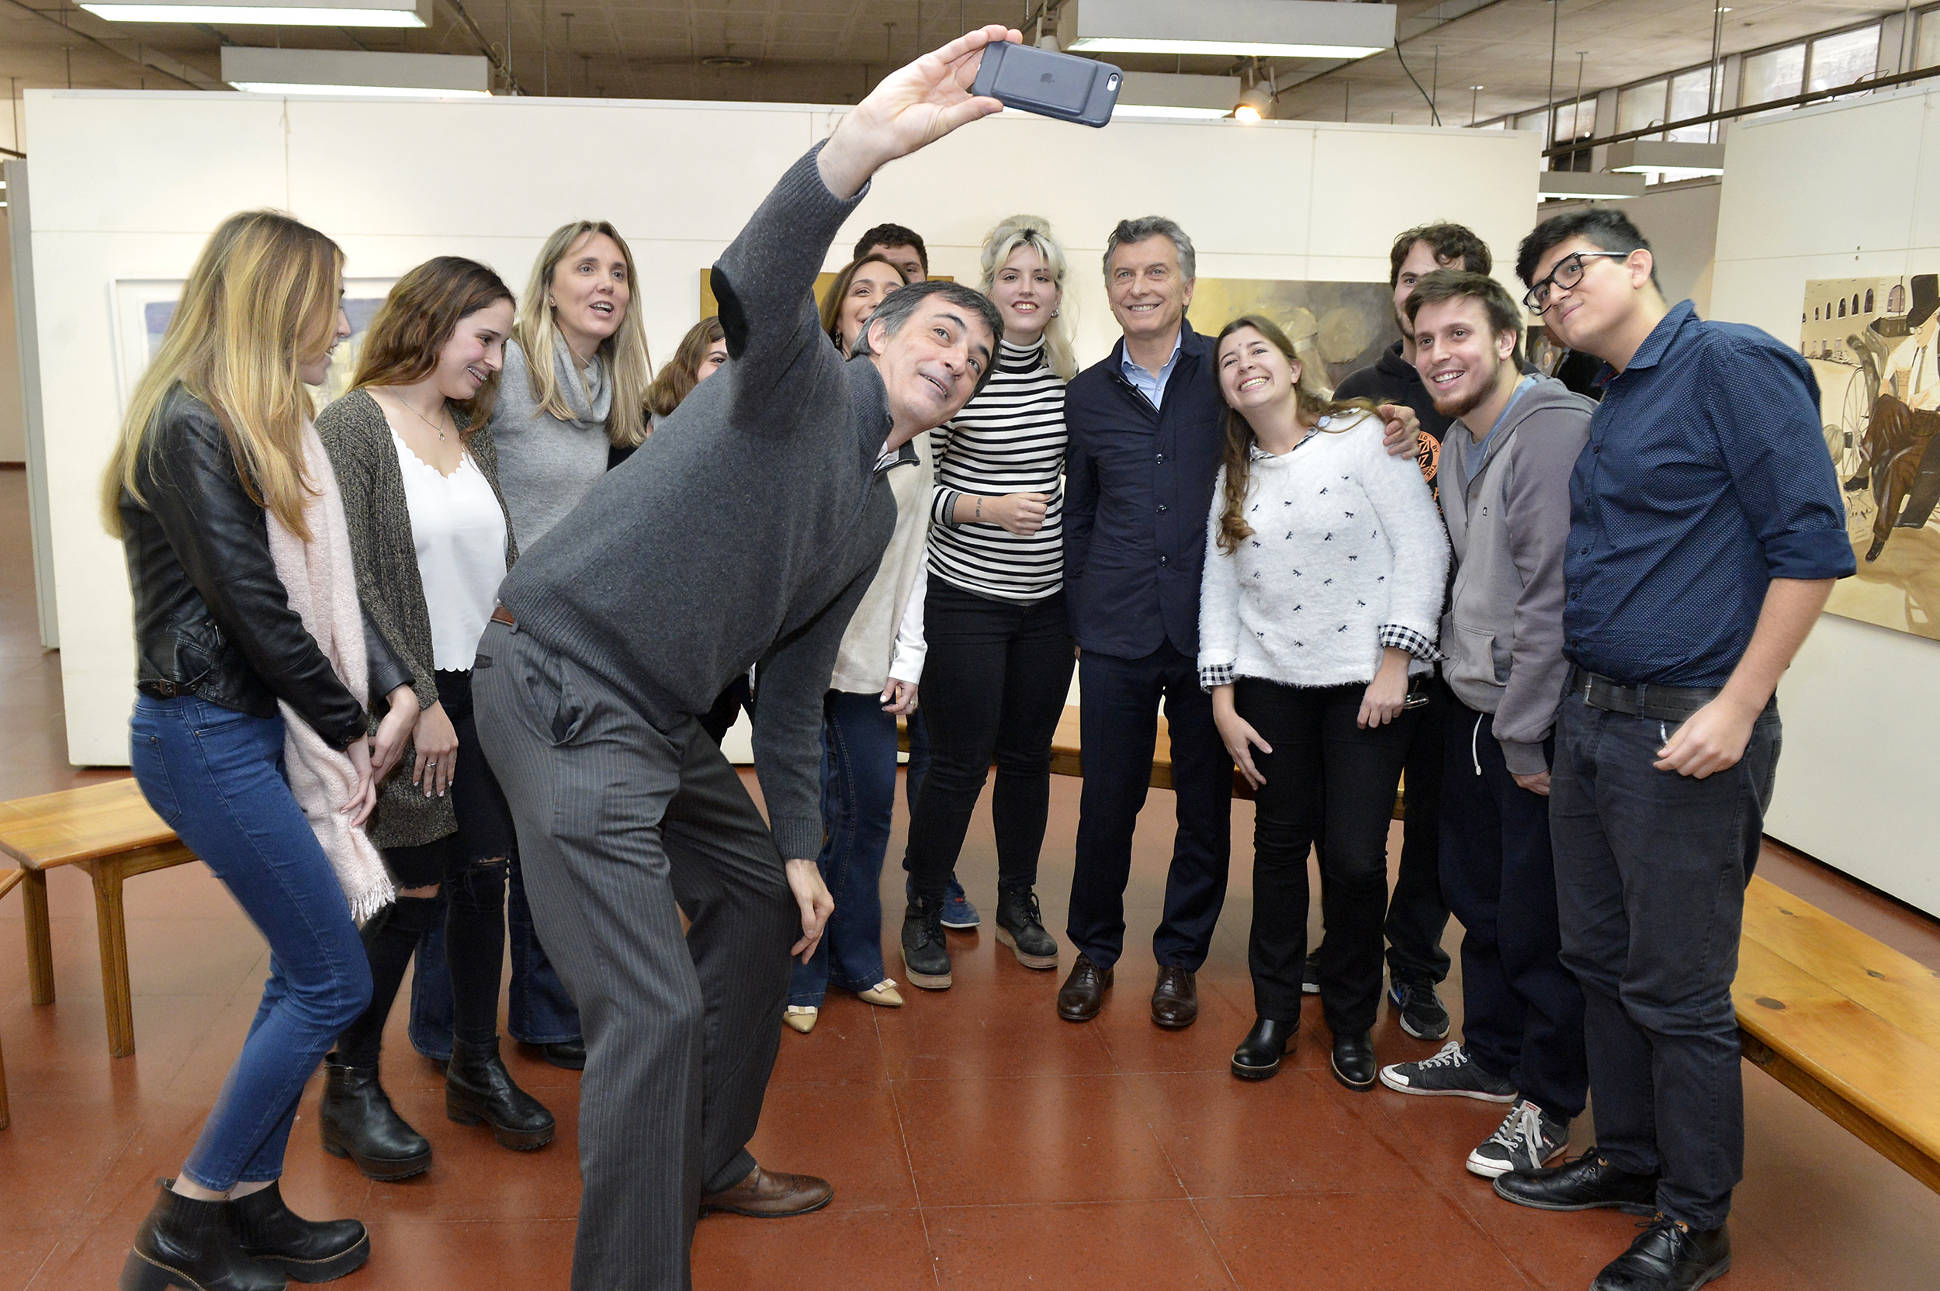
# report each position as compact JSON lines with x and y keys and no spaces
{"x":973,"y":1137}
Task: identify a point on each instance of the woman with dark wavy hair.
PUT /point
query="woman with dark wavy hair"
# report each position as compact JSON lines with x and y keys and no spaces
{"x":1319,"y":608}
{"x":432,"y":540}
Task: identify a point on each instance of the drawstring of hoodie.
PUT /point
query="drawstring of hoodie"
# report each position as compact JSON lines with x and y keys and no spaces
{"x":1474,"y":738}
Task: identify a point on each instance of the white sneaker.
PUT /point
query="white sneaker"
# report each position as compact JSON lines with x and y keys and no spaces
{"x":1528,"y":1139}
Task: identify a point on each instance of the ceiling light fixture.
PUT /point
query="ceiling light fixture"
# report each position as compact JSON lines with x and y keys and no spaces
{"x":307,"y":13}
{"x":1666,"y":159}
{"x":1255,"y":105}
{"x":1568,"y":185}
{"x":1240,"y":28}
{"x":1174,"y":95}
{"x":349,"y":71}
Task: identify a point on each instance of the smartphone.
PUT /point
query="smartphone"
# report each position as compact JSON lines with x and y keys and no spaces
{"x":1062,"y":86}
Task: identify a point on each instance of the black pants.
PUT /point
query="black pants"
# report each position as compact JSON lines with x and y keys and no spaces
{"x":1417,"y":910}
{"x":1522,"y":1011}
{"x":1119,"y":726}
{"x":469,"y":867}
{"x":993,"y":688}
{"x":1325,"y":773}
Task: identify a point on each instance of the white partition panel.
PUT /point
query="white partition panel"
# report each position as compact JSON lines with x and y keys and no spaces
{"x":128,"y":185}
{"x":1842,"y":191}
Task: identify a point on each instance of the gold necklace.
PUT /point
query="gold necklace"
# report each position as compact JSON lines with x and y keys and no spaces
{"x":421,"y":417}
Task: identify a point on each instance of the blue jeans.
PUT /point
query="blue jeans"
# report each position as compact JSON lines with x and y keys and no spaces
{"x":1651,"y":869}
{"x":538,"y":1011}
{"x":215,"y":776}
{"x":858,"y":797}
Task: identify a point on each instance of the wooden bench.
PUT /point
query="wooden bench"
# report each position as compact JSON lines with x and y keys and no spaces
{"x":109,"y":831}
{"x":8,"y":882}
{"x":1850,"y":1025}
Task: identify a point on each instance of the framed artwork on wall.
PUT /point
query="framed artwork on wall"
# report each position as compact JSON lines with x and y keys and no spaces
{"x":1874,"y":345}
{"x":1336,"y":327}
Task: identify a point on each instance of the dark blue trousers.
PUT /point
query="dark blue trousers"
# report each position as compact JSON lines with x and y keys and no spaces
{"x":1522,"y":1011}
{"x":1119,"y":712}
{"x":1651,"y":868}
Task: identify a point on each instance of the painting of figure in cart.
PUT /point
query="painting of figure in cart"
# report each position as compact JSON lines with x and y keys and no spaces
{"x":1874,"y":344}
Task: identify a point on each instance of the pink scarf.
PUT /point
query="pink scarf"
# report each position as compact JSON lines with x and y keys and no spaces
{"x":322,"y":587}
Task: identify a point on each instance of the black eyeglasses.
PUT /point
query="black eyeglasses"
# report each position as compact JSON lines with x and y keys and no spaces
{"x":1567,"y":273}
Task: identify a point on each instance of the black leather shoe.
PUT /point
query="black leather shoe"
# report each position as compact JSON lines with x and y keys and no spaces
{"x":1353,"y":1061}
{"x":357,"y":1121}
{"x":570,"y":1054}
{"x":1083,"y":993}
{"x":1259,"y":1054}
{"x":1020,"y":925}
{"x":302,"y":1250}
{"x":479,"y":1091}
{"x":1587,"y":1182}
{"x":188,"y":1243}
{"x":1175,"y":999}
{"x":1668,"y":1257}
{"x":926,"y":959}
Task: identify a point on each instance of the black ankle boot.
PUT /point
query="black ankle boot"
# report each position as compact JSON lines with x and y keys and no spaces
{"x":479,"y":1091}
{"x":925,"y":957}
{"x":192,"y":1245}
{"x":302,"y":1250}
{"x":358,"y":1121}
{"x":1020,"y":925}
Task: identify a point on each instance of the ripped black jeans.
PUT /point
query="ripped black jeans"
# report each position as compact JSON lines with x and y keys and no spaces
{"x":470,"y":868}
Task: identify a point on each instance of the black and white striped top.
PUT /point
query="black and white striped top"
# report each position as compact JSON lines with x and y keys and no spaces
{"x":1009,"y":439}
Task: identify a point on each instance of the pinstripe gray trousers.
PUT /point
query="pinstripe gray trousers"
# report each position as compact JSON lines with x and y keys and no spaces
{"x":621,"y":827}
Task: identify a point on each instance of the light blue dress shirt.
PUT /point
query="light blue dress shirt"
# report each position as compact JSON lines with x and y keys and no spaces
{"x":1149,"y":384}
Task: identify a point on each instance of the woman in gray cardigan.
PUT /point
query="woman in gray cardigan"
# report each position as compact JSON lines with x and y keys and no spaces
{"x":432,"y":539}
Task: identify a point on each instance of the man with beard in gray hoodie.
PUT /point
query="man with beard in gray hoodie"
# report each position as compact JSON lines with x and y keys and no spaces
{"x":1505,"y":473}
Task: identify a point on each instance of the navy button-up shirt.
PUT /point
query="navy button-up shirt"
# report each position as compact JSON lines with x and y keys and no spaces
{"x":1706,"y":476}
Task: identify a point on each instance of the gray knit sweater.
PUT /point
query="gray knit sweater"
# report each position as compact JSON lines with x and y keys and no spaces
{"x":357,"y":439}
{"x":547,"y":464}
{"x":746,"y":530}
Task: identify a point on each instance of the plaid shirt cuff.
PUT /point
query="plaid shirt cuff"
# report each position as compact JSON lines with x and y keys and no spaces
{"x":1215,"y":674}
{"x":1421,"y":647}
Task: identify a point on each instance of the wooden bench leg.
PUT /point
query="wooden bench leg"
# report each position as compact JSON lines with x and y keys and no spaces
{"x":6,"y":1117}
{"x":111,"y":928}
{"x":40,"y":950}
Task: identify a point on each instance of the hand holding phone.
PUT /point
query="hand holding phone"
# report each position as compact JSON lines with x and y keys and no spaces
{"x":1062,"y":86}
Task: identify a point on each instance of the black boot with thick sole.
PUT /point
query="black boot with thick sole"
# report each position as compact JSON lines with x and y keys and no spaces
{"x":357,"y":1121}
{"x":302,"y":1250}
{"x":192,"y":1245}
{"x":480,"y":1091}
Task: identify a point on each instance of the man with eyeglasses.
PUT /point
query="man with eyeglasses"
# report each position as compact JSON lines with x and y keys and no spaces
{"x":1705,"y":532}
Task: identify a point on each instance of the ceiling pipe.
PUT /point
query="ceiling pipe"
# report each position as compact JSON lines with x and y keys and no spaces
{"x":500,"y":61}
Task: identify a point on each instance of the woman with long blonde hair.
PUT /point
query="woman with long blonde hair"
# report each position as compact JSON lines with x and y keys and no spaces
{"x":1000,"y":651}
{"x":249,"y":731}
{"x":571,"y":403}
{"x":432,"y":541}
{"x":1319,"y":608}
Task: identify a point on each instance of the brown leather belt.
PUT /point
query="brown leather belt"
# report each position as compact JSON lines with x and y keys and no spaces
{"x":502,"y":615}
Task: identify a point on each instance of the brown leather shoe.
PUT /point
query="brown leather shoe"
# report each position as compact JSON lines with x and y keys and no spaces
{"x":1175,"y":1000}
{"x":1083,"y":993}
{"x":769,"y":1194}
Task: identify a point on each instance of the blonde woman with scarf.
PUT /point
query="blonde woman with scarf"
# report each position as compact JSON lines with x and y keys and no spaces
{"x":248,"y":736}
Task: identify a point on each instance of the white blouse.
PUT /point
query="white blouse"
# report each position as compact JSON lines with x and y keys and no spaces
{"x":459,"y":531}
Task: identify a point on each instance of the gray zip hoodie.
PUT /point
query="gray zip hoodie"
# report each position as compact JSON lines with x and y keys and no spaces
{"x":1503,"y":632}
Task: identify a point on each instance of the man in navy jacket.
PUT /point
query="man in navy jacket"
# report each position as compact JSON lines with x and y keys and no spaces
{"x":1144,"y":447}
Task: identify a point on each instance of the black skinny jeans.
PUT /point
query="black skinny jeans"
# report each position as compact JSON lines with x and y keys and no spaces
{"x":1324,"y":772}
{"x":993,"y":688}
{"x":470,"y":866}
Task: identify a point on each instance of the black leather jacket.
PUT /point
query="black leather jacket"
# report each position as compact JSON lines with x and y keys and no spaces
{"x":211,"y":616}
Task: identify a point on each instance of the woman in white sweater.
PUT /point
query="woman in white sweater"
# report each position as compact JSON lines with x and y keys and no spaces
{"x":1322,"y":593}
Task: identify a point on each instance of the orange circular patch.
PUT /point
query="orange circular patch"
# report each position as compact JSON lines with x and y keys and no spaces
{"x":1428,"y":456}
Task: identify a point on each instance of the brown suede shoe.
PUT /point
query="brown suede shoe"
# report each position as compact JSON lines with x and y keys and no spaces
{"x":769,"y":1194}
{"x":1083,"y":993}
{"x":1175,"y":1000}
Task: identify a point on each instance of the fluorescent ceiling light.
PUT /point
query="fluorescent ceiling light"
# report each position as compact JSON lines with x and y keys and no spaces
{"x":1237,"y":28}
{"x":1561,"y":185}
{"x":349,"y":71}
{"x":1666,"y":159}
{"x":1173,"y":95}
{"x":309,"y":13}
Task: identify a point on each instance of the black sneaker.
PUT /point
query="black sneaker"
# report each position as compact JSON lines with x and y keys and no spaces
{"x":1419,"y":1010}
{"x":1528,"y":1139}
{"x":1020,"y":925}
{"x":1310,"y":974}
{"x":1449,"y":1073}
{"x":925,"y":956}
